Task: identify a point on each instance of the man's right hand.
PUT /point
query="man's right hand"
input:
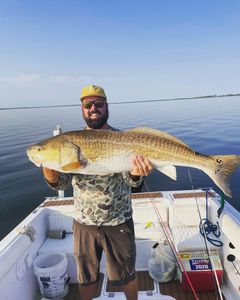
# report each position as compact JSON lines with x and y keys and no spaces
{"x":51,"y":176}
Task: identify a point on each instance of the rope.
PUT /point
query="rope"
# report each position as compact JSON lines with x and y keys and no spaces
{"x":206,"y":228}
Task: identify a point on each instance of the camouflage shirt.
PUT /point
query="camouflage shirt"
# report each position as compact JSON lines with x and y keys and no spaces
{"x":100,"y":200}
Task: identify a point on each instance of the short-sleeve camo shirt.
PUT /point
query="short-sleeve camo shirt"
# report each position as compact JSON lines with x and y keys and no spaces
{"x":100,"y":200}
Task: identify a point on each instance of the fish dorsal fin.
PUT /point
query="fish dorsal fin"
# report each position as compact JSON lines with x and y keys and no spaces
{"x":158,"y":133}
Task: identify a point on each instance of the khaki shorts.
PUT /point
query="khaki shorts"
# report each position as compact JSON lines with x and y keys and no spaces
{"x":118,"y":243}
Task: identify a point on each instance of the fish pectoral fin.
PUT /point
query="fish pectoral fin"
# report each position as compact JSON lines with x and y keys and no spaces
{"x":71,"y":157}
{"x":170,"y":171}
{"x":71,"y":166}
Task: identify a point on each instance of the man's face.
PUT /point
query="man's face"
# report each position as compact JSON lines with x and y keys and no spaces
{"x":95,"y":112}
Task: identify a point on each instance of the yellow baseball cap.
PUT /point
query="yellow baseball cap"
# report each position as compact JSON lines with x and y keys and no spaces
{"x":92,"y":90}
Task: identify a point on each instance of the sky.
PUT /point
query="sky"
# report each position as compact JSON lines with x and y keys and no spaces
{"x":135,"y":50}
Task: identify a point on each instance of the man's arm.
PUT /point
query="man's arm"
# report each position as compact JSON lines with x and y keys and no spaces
{"x":51,"y":176}
{"x":55,"y":179}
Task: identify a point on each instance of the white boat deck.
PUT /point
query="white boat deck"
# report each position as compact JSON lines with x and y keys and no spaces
{"x":179,"y":215}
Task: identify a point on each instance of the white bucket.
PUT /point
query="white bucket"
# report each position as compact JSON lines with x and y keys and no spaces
{"x":51,"y":272}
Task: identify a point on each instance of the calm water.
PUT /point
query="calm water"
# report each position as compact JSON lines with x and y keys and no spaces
{"x":210,"y":126}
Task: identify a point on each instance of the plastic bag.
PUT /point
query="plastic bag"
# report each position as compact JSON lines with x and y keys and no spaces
{"x":161,"y":265}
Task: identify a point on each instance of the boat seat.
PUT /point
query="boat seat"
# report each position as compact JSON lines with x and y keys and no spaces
{"x":60,"y":221}
{"x":184,"y":222}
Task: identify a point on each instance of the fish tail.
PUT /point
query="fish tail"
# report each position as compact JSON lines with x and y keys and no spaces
{"x":224,"y":167}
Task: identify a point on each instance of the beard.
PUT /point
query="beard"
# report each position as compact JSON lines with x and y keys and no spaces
{"x":97,"y":124}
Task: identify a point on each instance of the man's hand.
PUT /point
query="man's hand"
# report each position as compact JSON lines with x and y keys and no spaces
{"x":141,"y":166}
{"x":52,"y":176}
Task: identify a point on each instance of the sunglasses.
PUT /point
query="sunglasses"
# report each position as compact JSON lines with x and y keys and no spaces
{"x":88,"y":104}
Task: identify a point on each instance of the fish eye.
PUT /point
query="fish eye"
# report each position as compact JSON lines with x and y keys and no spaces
{"x":39,"y":148}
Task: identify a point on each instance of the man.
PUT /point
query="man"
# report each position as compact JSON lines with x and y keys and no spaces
{"x":103,"y":212}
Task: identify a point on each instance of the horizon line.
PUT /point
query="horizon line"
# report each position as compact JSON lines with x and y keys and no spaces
{"x":126,"y":102}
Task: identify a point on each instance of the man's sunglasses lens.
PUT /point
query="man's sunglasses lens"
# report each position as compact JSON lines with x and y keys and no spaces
{"x":89,"y":104}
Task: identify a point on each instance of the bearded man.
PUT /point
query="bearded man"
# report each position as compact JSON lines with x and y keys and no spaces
{"x":103,"y":211}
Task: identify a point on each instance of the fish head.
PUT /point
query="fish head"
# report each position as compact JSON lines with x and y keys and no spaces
{"x":56,"y":153}
{"x":44,"y":154}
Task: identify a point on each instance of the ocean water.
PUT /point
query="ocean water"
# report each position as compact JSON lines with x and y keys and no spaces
{"x":210,"y":126}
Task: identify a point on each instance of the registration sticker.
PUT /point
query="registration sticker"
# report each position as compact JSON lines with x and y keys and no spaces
{"x":200,"y":264}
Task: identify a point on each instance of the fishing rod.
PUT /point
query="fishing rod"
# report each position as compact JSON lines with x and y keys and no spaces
{"x":216,"y":282}
{"x":167,"y":234}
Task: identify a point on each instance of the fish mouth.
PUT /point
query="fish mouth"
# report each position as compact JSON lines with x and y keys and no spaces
{"x":37,"y":163}
{"x":32,"y":158}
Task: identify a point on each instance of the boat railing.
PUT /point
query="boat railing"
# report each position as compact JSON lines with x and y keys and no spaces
{"x":58,"y":131}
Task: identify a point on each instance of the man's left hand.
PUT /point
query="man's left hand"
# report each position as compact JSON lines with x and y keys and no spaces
{"x":141,"y":166}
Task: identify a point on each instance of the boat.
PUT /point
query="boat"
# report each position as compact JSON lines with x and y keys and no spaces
{"x":206,"y":263}
{"x":187,"y":244}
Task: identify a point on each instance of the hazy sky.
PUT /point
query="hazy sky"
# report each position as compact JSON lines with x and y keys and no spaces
{"x":136,"y":50}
